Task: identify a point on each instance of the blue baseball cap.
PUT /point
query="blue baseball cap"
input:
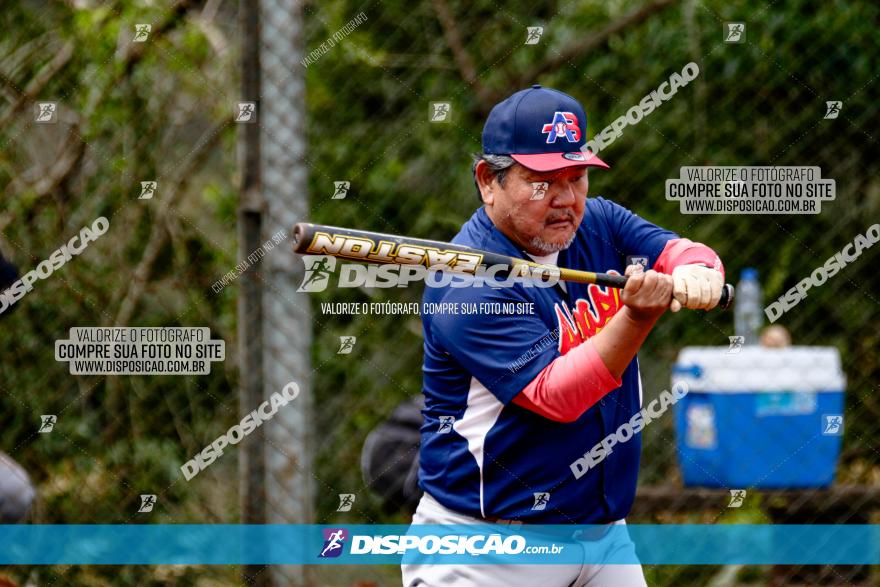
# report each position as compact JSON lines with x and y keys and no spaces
{"x":542,"y":129}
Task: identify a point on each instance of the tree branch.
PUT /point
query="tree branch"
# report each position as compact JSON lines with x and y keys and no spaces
{"x":45,"y":181}
{"x":466,"y":66}
{"x":581,"y":48}
{"x":36,"y":85}
{"x":159,"y":234}
{"x":134,"y":52}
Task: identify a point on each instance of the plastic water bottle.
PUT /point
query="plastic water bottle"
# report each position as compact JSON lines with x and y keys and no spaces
{"x":748,"y":313}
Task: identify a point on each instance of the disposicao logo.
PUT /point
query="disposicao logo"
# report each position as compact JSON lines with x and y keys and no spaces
{"x":334,"y":539}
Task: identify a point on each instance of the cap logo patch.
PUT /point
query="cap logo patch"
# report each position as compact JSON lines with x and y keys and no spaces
{"x":574,"y":156}
{"x":564,"y":125}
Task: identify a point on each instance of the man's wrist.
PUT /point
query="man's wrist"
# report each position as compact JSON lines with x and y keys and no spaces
{"x":639,"y":319}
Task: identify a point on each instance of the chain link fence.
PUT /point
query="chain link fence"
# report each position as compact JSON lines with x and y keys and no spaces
{"x":761,"y":100}
{"x":371,"y":153}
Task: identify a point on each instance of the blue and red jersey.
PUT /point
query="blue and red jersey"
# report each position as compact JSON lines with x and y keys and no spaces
{"x":483,"y":455}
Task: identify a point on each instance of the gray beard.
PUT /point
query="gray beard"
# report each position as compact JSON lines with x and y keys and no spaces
{"x":546,"y":248}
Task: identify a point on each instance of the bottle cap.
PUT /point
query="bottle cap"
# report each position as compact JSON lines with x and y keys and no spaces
{"x":749,"y":273}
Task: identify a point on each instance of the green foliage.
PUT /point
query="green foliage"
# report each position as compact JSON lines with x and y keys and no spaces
{"x":135,"y":119}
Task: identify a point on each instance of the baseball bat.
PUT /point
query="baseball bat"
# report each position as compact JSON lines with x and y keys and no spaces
{"x":390,"y":249}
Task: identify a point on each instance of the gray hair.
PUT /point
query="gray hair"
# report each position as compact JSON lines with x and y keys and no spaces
{"x":499,"y":165}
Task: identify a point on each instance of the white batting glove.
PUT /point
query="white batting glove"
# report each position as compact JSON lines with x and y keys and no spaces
{"x":695,"y":287}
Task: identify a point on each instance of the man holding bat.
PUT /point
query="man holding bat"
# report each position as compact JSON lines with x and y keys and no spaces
{"x":528,"y":395}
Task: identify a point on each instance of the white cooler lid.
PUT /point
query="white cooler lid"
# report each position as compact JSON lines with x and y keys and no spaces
{"x":759,"y":369}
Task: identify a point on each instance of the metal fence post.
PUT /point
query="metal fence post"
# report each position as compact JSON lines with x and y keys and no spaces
{"x":252,"y":455}
{"x":287,"y":335}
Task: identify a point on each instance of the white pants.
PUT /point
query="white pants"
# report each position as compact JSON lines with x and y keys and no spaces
{"x":430,"y":511}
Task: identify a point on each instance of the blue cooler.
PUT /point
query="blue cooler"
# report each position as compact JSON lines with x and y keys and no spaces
{"x":760,"y":417}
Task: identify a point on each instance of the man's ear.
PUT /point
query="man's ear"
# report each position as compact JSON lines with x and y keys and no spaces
{"x":486,"y":182}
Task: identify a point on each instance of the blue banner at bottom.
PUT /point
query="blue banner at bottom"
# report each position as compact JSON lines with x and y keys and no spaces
{"x":439,"y":544}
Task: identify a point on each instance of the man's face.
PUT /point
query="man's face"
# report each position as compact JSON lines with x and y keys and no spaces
{"x":541,"y":224}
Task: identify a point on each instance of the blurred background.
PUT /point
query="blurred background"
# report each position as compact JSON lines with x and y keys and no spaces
{"x":358,"y":110}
